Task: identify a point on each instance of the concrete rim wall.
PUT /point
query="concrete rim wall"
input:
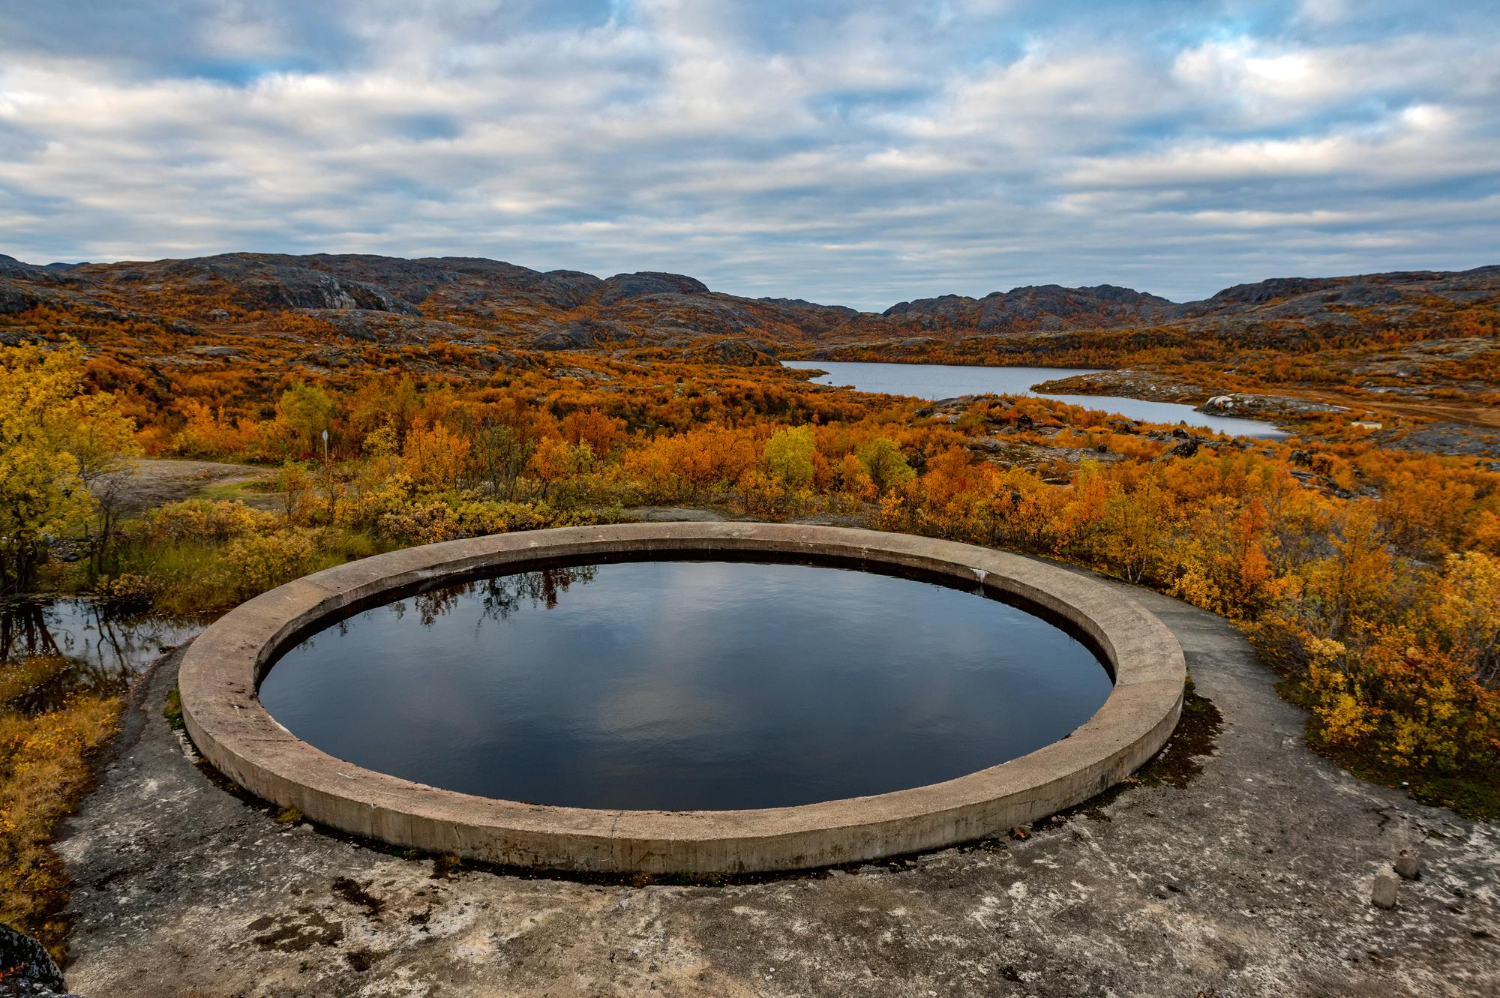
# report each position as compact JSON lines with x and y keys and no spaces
{"x":222,"y":668}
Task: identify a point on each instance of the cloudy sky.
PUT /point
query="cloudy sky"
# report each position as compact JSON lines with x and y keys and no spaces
{"x":857,"y":152}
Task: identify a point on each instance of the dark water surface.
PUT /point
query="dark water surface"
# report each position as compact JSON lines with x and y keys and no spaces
{"x":945,"y":381}
{"x":686,"y":685}
{"x":99,"y":652}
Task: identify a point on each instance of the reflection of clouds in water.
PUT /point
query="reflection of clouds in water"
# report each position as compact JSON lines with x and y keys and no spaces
{"x":715,"y":611}
{"x":700,"y":679}
{"x":81,"y":629}
{"x":98,"y":653}
{"x":939,"y":381}
{"x":663,"y":709}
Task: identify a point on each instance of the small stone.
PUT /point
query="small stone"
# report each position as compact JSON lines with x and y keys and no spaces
{"x":1408,"y":865}
{"x":1384,"y":893}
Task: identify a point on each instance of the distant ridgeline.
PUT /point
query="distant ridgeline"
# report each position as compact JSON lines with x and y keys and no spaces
{"x":470,"y":302}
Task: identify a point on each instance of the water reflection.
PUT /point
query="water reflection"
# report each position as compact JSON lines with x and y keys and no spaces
{"x":51,"y":649}
{"x":685,"y":684}
{"x":501,"y":597}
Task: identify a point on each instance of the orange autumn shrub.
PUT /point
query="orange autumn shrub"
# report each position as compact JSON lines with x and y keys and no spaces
{"x":601,"y":433}
{"x":435,"y":456}
{"x":1365,"y":573}
{"x":673,"y":467}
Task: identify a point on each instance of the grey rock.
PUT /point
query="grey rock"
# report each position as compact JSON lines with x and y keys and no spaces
{"x":1408,"y":865}
{"x":738,"y":353}
{"x":1383,"y":894}
{"x":1447,"y":438}
{"x":623,"y":286}
{"x":26,"y":968}
{"x":1042,"y":307}
{"x":1248,"y":405}
{"x":14,"y":298}
{"x":1186,"y":448}
{"x":583,"y":334}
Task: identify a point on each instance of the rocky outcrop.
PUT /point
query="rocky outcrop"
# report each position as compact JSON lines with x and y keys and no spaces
{"x":15,"y":298}
{"x":1041,"y":308}
{"x":803,"y":304}
{"x":623,"y":286}
{"x":583,"y":334}
{"x":1331,"y":301}
{"x":1278,"y":304}
{"x":26,"y":968}
{"x":735,"y":353}
{"x":1446,"y":438}
{"x":1271,"y":407}
{"x":11,"y":267}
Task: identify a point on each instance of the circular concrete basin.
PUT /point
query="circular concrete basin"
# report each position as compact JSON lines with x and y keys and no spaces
{"x":221,"y":670}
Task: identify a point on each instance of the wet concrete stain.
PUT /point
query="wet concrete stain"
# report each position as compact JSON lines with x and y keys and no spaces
{"x":296,"y":932}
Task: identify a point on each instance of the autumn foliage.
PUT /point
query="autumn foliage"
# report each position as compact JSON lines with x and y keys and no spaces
{"x":1370,"y":578}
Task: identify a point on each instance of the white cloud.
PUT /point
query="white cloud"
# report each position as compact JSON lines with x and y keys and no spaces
{"x":858,"y":152}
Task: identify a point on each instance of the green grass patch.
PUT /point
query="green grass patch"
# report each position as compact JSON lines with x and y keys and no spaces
{"x":173,"y":710}
{"x":188,"y":577}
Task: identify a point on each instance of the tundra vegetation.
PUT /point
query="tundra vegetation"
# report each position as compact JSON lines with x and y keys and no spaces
{"x":1368,"y":575}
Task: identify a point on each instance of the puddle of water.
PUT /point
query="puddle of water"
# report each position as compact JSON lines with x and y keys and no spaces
{"x":100,"y":652}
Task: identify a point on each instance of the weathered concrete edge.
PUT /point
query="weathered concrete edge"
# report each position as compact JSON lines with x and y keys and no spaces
{"x":222,"y":668}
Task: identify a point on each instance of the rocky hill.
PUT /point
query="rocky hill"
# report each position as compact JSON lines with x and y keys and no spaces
{"x":1046,"y":308}
{"x":1400,"y":297}
{"x":383,"y":299}
{"x":476,"y":301}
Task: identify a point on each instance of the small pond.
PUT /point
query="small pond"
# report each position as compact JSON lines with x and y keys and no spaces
{"x":944,"y":381}
{"x":686,"y":685}
{"x":100,"y":652}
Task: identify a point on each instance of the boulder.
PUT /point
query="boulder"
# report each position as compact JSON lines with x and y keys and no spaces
{"x":737,"y":353}
{"x":14,"y":298}
{"x":581,"y":334}
{"x":1408,"y":865}
{"x":1383,"y":894}
{"x":1252,"y":406}
{"x":26,"y":968}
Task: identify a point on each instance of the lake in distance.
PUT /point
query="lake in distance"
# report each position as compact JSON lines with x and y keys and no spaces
{"x":945,"y":381}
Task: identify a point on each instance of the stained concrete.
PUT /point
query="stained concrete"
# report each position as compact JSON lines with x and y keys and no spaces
{"x":1252,"y":879}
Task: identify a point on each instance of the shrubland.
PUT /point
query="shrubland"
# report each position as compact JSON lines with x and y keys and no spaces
{"x":1368,"y":577}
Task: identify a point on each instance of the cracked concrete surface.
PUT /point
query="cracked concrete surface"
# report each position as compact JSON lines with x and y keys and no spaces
{"x":1253,"y":879}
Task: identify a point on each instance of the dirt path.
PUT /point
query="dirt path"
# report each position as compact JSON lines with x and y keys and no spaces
{"x":1253,"y":878}
{"x":156,"y":481}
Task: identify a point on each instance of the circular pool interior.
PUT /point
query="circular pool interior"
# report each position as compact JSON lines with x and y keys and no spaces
{"x":686,"y":684}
